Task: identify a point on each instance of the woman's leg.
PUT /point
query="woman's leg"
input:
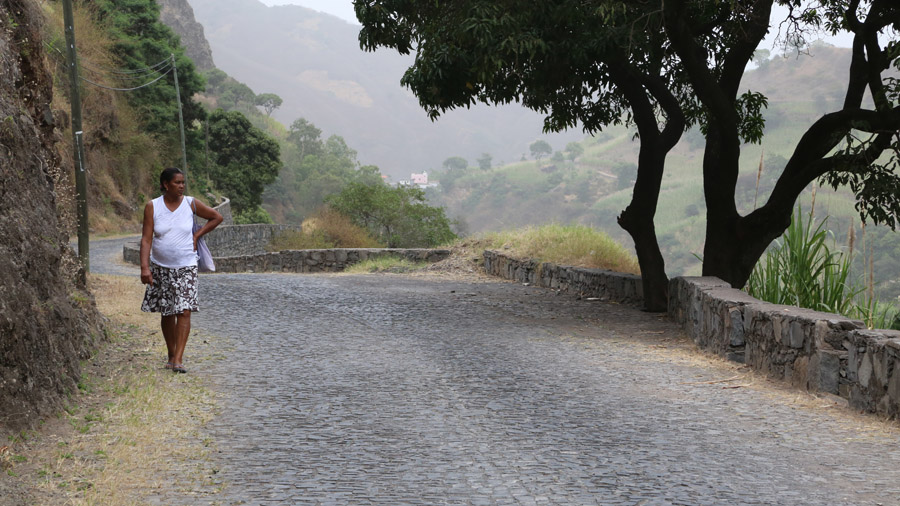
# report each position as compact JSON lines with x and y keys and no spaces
{"x":168,"y":329}
{"x":182,"y":329}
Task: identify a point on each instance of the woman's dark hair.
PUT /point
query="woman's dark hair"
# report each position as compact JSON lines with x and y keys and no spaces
{"x":168,"y":175}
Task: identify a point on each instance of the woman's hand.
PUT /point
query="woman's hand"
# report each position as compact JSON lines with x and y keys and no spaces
{"x":195,"y":242}
{"x":146,"y":277}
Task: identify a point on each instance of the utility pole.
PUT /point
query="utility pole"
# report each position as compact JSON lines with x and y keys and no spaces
{"x":80,"y":176}
{"x":180,"y":121}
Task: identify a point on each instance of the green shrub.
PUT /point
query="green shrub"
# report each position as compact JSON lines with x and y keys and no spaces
{"x":397,"y":216}
{"x":251,"y":216}
{"x":802,"y":270}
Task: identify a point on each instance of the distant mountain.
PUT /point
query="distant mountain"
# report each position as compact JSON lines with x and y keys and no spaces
{"x":313,"y":61}
{"x":178,"y":15}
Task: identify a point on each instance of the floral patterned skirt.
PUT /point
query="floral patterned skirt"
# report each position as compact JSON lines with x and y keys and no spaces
{"x":173,"y":290}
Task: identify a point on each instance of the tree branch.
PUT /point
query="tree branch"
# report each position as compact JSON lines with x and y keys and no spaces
{"x":740,"y":53}
{"x":693,"y":58}
{"x":810,"y":160}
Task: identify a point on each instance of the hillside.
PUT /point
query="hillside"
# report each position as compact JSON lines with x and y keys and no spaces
{"x":313,"y":61}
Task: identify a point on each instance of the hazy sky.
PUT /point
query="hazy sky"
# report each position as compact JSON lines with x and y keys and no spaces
{"x":344,"y":10}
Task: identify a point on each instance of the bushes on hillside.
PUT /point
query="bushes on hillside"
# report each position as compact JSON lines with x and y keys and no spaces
{"x":398,"y":216}
{"x":244,"y":159}
{"x":326,"y":229}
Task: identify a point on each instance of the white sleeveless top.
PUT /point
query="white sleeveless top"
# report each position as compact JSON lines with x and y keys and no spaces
{"x":173,"y":235}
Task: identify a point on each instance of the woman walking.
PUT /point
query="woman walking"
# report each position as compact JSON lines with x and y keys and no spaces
{"x":169,"y":260}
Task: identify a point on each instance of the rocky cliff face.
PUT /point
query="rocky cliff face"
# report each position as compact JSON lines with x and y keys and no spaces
{"x":47,"y":324}
{"x":179,"y":16}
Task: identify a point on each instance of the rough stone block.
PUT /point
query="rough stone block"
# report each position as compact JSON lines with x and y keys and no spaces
{"x":852,"y":363}
{"x":828,"y":373}
{"x":796,"y":335}
{"x":859,"y":399}
{"x":777,"y":331}
{"x":865,"y":370}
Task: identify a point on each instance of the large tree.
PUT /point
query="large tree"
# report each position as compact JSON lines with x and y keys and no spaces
{"x":856,"y":145}
{"x":587,"y":63}
{"x":539,"y":149}
{"x":662,"y":66}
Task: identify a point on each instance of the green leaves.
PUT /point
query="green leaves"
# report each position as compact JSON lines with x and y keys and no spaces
{"x":397,"y":216}
{"x":142,"y":40}
{"x":245,"y":159}
{"x":750,"y":117}
{"x":801,"y":270}
{"x":550,"y":57}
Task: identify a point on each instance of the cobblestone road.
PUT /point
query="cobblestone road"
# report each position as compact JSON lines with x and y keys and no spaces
{"x":392,"y":390}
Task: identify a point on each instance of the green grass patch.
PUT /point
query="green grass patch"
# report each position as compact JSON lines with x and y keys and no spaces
{"x":384,"y":264}
{"x":574,"y":245}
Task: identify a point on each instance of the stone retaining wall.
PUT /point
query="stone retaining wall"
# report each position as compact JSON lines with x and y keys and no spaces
{"x":317,"y":260}
{"x":321,"y":260}
{"x":238,"y":240}
{"x":603,"y":284}
{"x":816,"y":351}
{"x":225,"y":210}
{"x":226,"y":241}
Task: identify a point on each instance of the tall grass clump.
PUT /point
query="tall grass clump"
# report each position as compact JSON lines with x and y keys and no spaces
{"x":575,"y":245}
{"x":325,"y":229}
{"x":801,"y":269}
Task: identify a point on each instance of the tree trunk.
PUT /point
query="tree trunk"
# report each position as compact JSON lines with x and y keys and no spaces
{"x":733,"y":246}
{"x":637,"y":220}
{"x":639,"y":224}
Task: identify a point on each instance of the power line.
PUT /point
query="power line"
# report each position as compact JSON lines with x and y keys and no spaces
{"x":135,"y":77}
{"x":143,"y":70}
{"x":159,"y":69}
{"x":123,"y":89}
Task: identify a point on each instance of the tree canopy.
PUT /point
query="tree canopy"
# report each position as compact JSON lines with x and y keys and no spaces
{"x":269,"y":102}
{"x":539,"y":149}
{"x":662,"y":66}
{"x":314,"y":169}
{"x":573,"y":150}
{"x":485,"y":161}
{"x":244,"y":159}
{"x":456,"y":163}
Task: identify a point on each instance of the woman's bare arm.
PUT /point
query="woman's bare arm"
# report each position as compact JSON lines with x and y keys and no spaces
{"x":146,"y":242}
{"x":211,"y":215}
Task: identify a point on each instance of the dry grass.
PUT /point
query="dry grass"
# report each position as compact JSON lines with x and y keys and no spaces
{"x":134,"y":430}
{"x":325,"y":229}
{"x":384,"y":264}
{"x":123,"y":158}
{"x":574,"y":245}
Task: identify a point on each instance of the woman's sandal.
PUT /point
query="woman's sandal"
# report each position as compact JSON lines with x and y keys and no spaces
{"x":178,"y":368}
{"x":169,"y":365}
